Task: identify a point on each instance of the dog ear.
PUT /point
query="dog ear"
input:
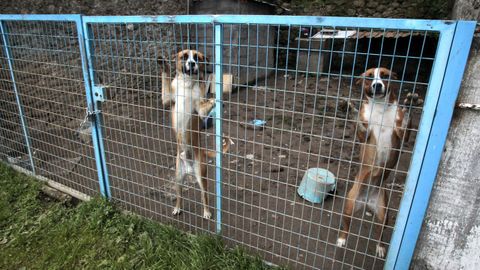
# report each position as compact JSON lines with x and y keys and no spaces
{"x":203,"y":59}
{"x":393,"y":75}
{"x":359,"y":81}
{"x":207,"y":60}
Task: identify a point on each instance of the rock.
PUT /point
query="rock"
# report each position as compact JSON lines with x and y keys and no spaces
{"x":359,"y":3}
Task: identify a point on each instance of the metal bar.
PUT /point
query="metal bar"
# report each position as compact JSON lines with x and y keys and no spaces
{"x":421,"y":141}
{"x":84,"y":37}
{"x":9,"y":56}
{"x":400,"y":24}
{"x":218,"y":122}
{"x":41,"y":17}
{"x":457,"y":59}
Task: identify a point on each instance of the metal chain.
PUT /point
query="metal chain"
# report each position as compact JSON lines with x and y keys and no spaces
{"x":88,"y":115}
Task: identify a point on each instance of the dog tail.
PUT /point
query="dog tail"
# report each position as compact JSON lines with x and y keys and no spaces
{"x":226,"y":146}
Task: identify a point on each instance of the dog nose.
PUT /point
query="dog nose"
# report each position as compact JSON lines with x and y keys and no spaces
{"x":377,"y":87}
{"x":191,"y":64}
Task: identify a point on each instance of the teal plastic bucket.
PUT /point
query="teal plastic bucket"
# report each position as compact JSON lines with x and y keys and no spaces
{"x":316,"y":184}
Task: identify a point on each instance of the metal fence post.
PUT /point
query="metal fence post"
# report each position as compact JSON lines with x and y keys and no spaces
{"x":218,"y":122}
{"x":8,"y":54}
{"x":94,"y":98}
{"x":450,"y":85}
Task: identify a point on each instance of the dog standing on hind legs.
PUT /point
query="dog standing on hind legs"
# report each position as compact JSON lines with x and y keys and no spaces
{"x":383,"y":126}
{"x":186,"y":94}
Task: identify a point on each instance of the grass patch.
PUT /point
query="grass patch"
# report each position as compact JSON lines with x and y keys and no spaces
{"x":38,"y":233}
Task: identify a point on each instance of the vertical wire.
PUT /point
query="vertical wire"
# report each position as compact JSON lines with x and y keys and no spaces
{"x":274,"y":109}
{"x":357,"y":122}
{"x":369,"y":185}
{"x":300,"y":134}
{"x":232,"y":185}
{"x":166,"y":56}
{"x":17,"y":97}
{"x":254,"y":141}
{"x":266,"y":68}
{"x":319,"y":72}
{"x":281,"y":133}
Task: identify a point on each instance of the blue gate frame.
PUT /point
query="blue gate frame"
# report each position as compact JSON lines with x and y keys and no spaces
{"x":451,"y":57}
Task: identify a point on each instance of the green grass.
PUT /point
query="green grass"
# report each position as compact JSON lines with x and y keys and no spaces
{"x":38,"y":233}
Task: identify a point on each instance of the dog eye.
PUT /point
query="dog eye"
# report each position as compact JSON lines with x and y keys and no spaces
{"x":195,"y":57}
{"x":185,"y":57}
{"x":386,"y":76}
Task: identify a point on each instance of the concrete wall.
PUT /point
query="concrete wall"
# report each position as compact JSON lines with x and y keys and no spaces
{"x":450,"y":237}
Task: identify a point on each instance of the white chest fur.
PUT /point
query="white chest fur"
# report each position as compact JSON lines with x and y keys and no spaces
{"x":187,"y":98}
{"x":381,"y":117}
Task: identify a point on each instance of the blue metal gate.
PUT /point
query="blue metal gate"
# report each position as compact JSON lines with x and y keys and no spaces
{"x":81,"y":105}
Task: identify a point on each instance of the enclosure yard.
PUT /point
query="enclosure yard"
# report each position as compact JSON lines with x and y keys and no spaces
{"x":306,"y":126}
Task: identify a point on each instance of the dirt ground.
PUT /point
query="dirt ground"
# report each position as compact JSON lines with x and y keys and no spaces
{"x":306,"y":126}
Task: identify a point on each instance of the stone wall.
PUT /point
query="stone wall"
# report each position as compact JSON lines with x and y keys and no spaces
{"x":432,"y":9}
{"x":427,"y":9}
{"x":93,"y":7}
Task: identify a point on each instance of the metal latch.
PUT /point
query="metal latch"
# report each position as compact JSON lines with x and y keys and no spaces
{"x":90,"y":113}
{"x":99,"y":93}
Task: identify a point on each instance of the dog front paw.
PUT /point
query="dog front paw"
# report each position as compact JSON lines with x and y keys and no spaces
{"x":341,"y":242}
{"x":205,"y":107}
{"x":209,"y":104}
{"x":412,"y":99}
{"x":176,"y":211}
{"x":380,"y":251}
{"x":207,"y":214}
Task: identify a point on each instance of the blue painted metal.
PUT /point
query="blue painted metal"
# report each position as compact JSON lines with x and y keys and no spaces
{"x":94,"y":105}
{"x":151,"y":19}
{"x":218,"y":122}
{"x":281,"y":20}
{"x":40,"y":17}
{"x":421,"y":141}
{"x":8,"y":54}
{"x":450,"y":85}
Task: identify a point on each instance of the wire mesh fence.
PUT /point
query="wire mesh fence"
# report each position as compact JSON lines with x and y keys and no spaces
{"x":295,"y":98}
{"x":308,"y":126}
{"x":47,"y":72}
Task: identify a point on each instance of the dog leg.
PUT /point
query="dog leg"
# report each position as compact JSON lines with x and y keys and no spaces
{"x":381,"y":213}
{"x":204,"y":107}
{"x":349,"y":208}
{"x":348,"y":211}
{"x":200,"y":174}
{"x":403,"y":124}
{"x":179,"y":175}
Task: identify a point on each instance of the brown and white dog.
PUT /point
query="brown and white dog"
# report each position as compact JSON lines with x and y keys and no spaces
{"x":383,"y":126}
{"x":186,"y":94}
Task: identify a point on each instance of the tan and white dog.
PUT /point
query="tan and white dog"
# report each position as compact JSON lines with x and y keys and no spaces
{"x":383,"y":126}
{"x":186,"y":94}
